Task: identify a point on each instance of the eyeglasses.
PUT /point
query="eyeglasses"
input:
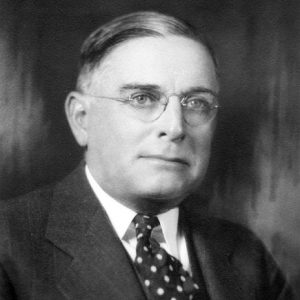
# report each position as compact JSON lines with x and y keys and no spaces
{"x":198,"y":108}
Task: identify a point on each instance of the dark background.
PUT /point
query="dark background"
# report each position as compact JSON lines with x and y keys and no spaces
{"x":254,"y":177}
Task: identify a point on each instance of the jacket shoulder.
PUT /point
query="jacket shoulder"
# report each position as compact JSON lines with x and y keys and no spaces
{"x":224,"y":231}
{"x":26,"y":214}
{"x":239,"y":243}
{"x":247,"y":255}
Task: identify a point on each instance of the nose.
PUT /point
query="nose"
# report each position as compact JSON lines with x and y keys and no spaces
{"x":171,"y":122}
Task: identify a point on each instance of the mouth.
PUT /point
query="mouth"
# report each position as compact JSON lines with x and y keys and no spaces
{"x":167,"y":159}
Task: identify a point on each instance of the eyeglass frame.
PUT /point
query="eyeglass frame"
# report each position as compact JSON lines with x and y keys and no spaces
{"x":181,"y":97}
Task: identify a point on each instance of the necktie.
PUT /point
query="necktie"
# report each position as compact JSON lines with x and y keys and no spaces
{"x":162,"y":274}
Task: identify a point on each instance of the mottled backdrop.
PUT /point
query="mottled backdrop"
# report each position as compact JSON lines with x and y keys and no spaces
{"x":254,"y":177}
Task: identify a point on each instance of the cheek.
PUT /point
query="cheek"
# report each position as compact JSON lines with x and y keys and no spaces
{"x":112,"y":133}
{"x":202,"y":146}
{"x":100,"y":131}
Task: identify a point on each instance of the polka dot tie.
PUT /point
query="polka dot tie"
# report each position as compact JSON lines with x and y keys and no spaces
{"x":162,"y":274}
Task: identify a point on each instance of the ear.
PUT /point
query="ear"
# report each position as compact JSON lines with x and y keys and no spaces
{"x":76,"y":108}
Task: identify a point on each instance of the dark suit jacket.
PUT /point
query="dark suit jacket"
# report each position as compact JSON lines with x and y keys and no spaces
{"x":57,"y":243}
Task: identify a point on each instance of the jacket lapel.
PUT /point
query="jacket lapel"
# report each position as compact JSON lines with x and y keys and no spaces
{"x":221,"y":280}
{"x":96,"y":264}
{"x":91,"y":263}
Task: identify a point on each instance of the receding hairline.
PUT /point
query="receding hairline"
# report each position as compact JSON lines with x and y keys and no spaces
{"x":101,"y":42}
{"x":85,"y":78}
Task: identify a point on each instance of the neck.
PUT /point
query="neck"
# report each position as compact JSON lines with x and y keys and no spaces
{"x":151,"y":206}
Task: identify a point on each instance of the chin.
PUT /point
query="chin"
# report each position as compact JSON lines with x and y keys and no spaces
{"x":157,"y":203}
{"x":167,"y":190}
{"x":157,"y":194}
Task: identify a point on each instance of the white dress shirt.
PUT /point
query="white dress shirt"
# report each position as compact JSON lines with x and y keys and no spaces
{"x":121,"y":217}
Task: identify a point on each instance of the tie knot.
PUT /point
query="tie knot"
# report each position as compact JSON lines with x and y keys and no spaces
{"x":144,"y":225}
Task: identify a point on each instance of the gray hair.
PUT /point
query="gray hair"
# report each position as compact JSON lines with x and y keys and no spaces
{"x":138,"y":24}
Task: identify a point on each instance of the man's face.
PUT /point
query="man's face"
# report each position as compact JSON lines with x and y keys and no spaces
{"x":149,"y":166}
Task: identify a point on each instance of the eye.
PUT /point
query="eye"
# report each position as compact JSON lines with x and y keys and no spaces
{"x":144,"y":100}
{"x":199,"y":102}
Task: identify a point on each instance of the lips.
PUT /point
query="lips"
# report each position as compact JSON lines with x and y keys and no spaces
{"x":166,"y":158}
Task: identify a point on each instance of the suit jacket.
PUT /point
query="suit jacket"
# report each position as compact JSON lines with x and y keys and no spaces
{"x":58,"y":243}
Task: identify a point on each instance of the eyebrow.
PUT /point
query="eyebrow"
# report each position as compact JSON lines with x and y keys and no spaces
{"x":200,"y":89}
{"x":138,"y":86}
{"x":153,"y":87}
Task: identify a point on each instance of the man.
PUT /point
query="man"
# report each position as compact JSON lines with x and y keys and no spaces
{"x":145,"y":109}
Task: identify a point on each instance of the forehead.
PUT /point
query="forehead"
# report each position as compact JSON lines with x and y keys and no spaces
{"x":172,"y":62}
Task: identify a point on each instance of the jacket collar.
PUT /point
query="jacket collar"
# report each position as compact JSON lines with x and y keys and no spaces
{"x":98,"y":266}
{"x":78,"y":226}
{"x":214,"y":252}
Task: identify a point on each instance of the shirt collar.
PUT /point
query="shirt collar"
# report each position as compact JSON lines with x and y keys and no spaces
{"x":119,"y":215}
{"x":122,"y":216}
{"x":169,"y":224}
